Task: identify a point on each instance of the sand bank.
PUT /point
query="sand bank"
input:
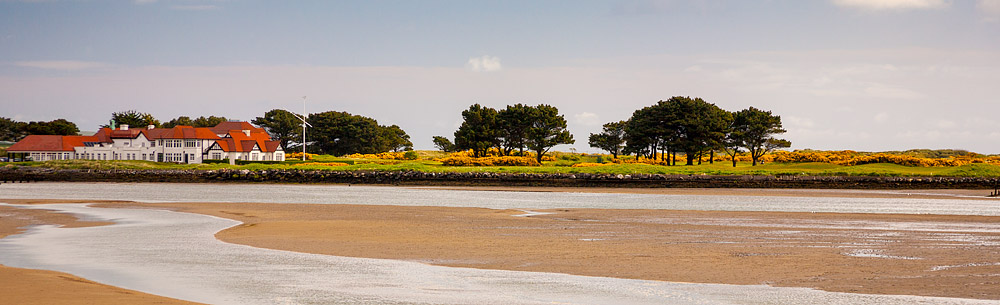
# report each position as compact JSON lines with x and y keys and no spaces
{"x":28,"y":286}
{"x":928,"y":255}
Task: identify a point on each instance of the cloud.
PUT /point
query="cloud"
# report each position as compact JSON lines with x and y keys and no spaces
{"x":881,"y":5}
{"x":65,"y":65}
{"x":990,"y":9}
{"x":484,"y":63}
{"x":587,"y":119}
{"x":881,"y":117}
{"x":143,"y":1}
{"x":194,"y":7}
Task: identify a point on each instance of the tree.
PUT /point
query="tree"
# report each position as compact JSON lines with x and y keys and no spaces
{"x":757,"y":129}
{"x":341,"y":133}
{"x":11,"y":130}
{"x":512,"y":127}
{"x":548,"y":129}
{"x":700,"y":126}
{"x":179,"y":121}
{"x":611,"y":139}
{"x":281,"y":125}
{"x":60,"y":127}
{"x":443,"y":144}
{"x":134,"y":118}
{"x":210,"y":121}
{"x":733,"y":141}
{"x":478,"y":131}
{"x":396,"y":139}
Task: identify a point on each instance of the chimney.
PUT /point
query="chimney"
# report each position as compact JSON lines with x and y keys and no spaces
{"x":124,"y":127}
{"x":150,"y":127}
{"x":246,"y":132}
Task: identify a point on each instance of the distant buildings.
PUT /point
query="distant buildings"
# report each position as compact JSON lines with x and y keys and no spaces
{"x":181,"y":144}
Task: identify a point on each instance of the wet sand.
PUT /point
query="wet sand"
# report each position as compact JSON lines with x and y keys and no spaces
{"x":29,"y":286}
{"x":848,"y":193}
{"x":927,"y":255}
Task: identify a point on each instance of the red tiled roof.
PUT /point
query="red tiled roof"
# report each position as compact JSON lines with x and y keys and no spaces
{"x":50,"y":143}
{"x":246,"y":143}
{"x":226,"y":127}
{"x":181,"y":132}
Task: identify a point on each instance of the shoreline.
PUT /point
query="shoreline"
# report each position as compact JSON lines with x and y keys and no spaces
{"x":35,"y":286}
{"x":841,"y":252}
{"x":487,"y":179}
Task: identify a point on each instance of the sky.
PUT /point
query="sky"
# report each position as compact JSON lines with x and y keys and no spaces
{"x":866,"y":75}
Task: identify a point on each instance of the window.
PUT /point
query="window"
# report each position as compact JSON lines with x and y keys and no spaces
{"x":216,"y":156}
{"x":190,"y":143}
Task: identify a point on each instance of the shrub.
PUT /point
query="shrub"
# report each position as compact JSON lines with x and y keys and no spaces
{"x":489,"y":161}
{"x":411,"y":155}
{"x":591,"y":164}
{"x":321,"y":164}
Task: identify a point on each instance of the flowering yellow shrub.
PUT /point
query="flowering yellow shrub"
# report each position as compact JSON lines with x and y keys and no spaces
{"x":851,"y":158}
{"x":383,"y":156}
{"x":489,"y":161}
{"x":493,"y":152}
{"x":298,"y":155}
{"x":322,"y":164}
{"x":591,"y":164}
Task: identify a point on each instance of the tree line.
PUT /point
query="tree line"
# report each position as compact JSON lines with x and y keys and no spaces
{"x":13,"y":131}
{"x":515,"y":128}
{"x":332,"y":132}
{"x":693,"y":127}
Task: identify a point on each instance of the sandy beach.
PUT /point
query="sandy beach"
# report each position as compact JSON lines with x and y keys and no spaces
{"x":927,"y":255}
{"x":28,"y":286}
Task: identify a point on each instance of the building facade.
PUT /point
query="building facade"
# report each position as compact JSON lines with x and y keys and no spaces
{"x":181,"y":144}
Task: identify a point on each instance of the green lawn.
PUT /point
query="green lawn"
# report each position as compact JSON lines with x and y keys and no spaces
{"x":562,"y":166}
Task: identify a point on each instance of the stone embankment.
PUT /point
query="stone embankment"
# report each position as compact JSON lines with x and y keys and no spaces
{"x":494,"y":179}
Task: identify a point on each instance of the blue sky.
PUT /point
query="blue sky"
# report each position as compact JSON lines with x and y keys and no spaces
{"x":843,"y":74}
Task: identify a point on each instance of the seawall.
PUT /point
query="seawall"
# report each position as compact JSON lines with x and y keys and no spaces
{"x":495,"y":179}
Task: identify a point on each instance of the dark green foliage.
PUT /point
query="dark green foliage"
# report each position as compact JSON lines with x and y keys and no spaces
{"x":411,"y":155}
{"x":396,"y":139}
{"x":756,"y":129}
{"x":179,"y":121}
{"x":478,"y":131}
{"x":11,"y":130}
{"x":60,"y":127}
{"x":133,"y":118}
{"x":341,"y":133}
{"x":443,"y":144}
{"x":692,"y":126}
{"x":512,"y":127}
{"x":210,"y":121}
{"x":611,"y":139}
{"x":282,"y":125}
{"x":548,"y":129}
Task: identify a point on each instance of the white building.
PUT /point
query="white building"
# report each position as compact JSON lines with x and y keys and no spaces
{"x":181,"y":144}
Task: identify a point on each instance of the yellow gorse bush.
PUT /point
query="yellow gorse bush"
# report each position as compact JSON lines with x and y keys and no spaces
{"x":298,"y":155}
{"x":383,"y":156}
{"x":489,"y":161}
{"x":321,"y":164}
{"x":591,"y":164}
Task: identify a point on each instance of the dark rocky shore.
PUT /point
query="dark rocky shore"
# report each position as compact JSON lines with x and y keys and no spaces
{"x":496,"y":179}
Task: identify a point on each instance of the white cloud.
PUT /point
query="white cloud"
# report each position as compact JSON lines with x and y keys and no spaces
{"x":881,"y":117}
{"x":879,"y":5}
{"x":65,"y":65}
{"x":587,"y":119}
{"x":194,"y":7}
{"x":484,"y":63}
{"x":143,"y":1}
{"x":990,"y":9}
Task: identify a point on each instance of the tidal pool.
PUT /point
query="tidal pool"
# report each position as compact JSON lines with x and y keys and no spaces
{"x":176,"y":255}
{"x":405,"y":196}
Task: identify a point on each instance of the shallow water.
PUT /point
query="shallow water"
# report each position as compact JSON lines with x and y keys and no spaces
{"x":176,"y":255}
{"x":386,"y":195}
